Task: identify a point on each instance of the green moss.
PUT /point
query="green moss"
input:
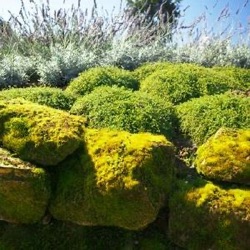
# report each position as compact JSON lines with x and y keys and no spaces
{"x":180,"y":82}
{"x":37,"y":133}
{"x":200,"y":118}
{"x":24,"y":190}
{"x":206,"y":216}
{"x":117,"y":108}
{"x":119,"y":179}
{"x":53,"y":97}
{"x":101,"y":76}
{"x":61,"y":236}
{"x":226,"y":156}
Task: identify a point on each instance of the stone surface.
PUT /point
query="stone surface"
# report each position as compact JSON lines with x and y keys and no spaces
{"x":226,"y":156}
{"x":24,"y":190}
{"x":206,"y":216}
{"x":38,"y":133}
{"x":117,"y":179}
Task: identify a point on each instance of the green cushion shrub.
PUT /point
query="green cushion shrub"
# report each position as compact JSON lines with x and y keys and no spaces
{"x":123,"y":109}
{"x":181,"y":82}
{"x":118,"y":179}
{"x":240,"y":74}
{"x":37,"y":133}
{"x":101,"y":76}
{"x":202,"y":117}
{"x":53,"y":97}
{"x":226,"y":156}
{"x":206,"y":216}
{"x":148,"y":69}
{"x":24,"y":190}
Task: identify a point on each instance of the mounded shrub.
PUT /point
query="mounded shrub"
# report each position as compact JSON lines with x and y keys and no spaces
{"x":202,"y":117}
{"x":226,"y":156}
{"x":53,"y":97}
{"x":122,"y":109}
{"x":240,"y":74}
{"x":206,"y":216}
{"x":24,"y":190}
{"x":118,"y":179}
{"x":37,"y":133}
{"x":148,"y":69}
{"x":181,"y":82}
{"x":101,"y":76}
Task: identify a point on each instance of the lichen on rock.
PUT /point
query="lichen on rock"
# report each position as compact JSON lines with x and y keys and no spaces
{"x":226,"y":156}
{"x":24,"y":190}
{"x":38,"y":133}
{"x":117,"y":179}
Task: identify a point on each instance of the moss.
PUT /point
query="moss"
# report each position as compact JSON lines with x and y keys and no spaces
{"x":52,"y":97}
{"x":61,"y":236}
{"x":119,"y":179}
{"x":200,"y":118}
{"x":87,"y":81}
{"x":24,"y":190}
{"x":226,"y":156}
{"x":206,"y":216}
{"x":37,"y":133}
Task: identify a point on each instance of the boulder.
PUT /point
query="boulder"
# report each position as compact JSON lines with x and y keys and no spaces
{"x":226,"y":156}
{"x":24,"y":190}
{"x":206,"y":216}
{"x":38,"y":133}
{"x":117,"y":179}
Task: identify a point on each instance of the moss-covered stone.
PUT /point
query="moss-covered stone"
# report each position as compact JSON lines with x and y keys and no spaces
{"x":38,"y":133}
{"x":226,"y":156}
{"x":24,"y":190}
{"x":206,"y":216}
{"x":118,"y":179}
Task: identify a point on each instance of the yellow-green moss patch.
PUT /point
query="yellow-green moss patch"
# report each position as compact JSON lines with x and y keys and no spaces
{"x":226,"y":156}
{"x":206,"y":216}
{"x":38,"y":133}
{"x":118,"y":179}
{"x":24,"y":190}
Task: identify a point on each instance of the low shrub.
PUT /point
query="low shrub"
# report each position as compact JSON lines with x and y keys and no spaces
{"x":181,"y":82}
{"x":53,"y":97}
{"x":101,"y":76}
{"x":148,"y":69}
{"x":202,"y":117}
{"x":240,"y":74}
{"x":122,"y":109}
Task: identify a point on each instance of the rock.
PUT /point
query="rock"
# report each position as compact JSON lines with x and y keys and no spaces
{"x":118,"y":179}
{"x":38,"y":133}
{"x":206,"y":216}
{"x":226,"y":156}
{"x":24,"y":190}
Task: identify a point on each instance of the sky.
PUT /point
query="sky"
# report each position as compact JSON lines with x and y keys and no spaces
{"x":212,"y":11}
